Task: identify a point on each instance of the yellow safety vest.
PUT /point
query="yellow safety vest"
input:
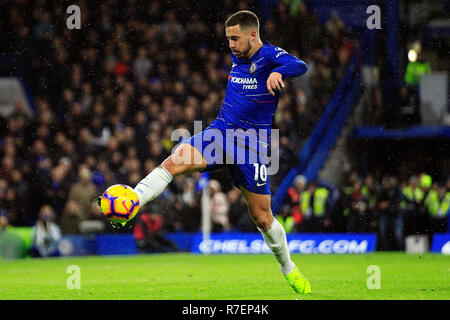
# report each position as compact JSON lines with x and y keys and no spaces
{"x":319,"y":205}
{"x":369,"y":196}
{"x":408,"y":193}
{"x":288,"y":223}
{"x":414,"y":70}
{"x":415,"y":195}
{"x":419,"y":194}
{"x":437,"y":207}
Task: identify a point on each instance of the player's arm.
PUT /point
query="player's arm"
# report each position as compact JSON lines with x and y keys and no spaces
{"x":286,"y":66}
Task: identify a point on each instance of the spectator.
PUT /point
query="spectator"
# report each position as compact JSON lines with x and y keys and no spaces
{"x":187,"y":205}
{"x":11,"y":245}
{"x":83,"y":192}
{"x":21,"y":189}
{"x":219,"y":207}
{"x":409,"y":206}
{"x":425,"y":187}
{"x":142,"y":65}
{"x":404,"y":111}
{"x":240,"y":217}
{"x":314,"y":202}
{"x":71,"y":217}
{"x":409,"y":108}
{"x":390,"y":219}
{"x":295,"y":201}
{"x":46,"y":234}
{"x":148,"y":233}
{"x":414,"y":70}
{"x":369,"y":189}
{"x":3,"y":222}
{"x":285,"y":218}
{"x":57,"y":188}
{"x":438,"y":206}
{"x":358,"y":206}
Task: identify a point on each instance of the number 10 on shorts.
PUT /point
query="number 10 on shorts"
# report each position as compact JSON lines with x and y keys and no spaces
{"x":260,"y":172}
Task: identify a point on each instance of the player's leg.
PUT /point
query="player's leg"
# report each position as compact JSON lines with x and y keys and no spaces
{"x":185,"y":159}
{"x":272,"y":231}
{"x":275,"y":238}
{"x":188,"y":157}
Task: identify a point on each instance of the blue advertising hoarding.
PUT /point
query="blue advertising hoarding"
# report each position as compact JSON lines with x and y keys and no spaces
{"x":111,"y":244}
{"x":305,"y":243}
{"x":441,"y":243}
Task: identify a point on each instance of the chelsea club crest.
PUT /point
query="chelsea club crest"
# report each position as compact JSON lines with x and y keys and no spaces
{"x":252,"y":67}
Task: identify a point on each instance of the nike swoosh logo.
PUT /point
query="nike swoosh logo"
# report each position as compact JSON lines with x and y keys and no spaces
{"x":233,"y":65}
{"x":260,"y":184}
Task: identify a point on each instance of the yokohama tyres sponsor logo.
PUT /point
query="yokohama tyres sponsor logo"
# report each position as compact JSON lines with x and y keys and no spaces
{"x":244,"y":80}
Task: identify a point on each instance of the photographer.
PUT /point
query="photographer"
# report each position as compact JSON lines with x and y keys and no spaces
{"x":148,"y":232}
{"x":46,"y":234}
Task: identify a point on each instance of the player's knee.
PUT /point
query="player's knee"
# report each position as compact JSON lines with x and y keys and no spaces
{"x":185,"y":158}
{"x":190,"y":156}
{"x":262,"y":217}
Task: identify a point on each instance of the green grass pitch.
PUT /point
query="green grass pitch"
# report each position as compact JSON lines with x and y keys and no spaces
{"x":226,"y":277}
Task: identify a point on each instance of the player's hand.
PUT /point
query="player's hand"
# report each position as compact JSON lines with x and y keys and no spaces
{"x":275,"y":82}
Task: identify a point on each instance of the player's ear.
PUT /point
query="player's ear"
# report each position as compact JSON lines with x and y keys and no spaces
{"x":253,"y":34}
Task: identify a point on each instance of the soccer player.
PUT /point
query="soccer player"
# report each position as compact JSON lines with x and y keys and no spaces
{"x":254,"y":86}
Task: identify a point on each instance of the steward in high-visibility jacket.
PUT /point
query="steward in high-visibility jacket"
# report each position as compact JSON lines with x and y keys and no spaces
{"x":285,"y":218}
{"x":412,"y":197}
{"x":422,"y":222}
{"x":414,"y":70}
{"x":370,"y":195}
{"x":437,"y":204}
{"x":315,"y":205}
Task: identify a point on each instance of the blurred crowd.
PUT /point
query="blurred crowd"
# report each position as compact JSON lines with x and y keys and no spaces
{"x":387,"y":206}
{"x":108,"y":97}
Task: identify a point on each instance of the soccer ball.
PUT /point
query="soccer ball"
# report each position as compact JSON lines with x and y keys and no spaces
{"x":119,"y":203}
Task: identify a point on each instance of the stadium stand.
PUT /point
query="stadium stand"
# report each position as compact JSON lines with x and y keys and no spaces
{"x":106,"y":100}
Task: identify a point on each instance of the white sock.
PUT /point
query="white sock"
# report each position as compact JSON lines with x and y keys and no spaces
{"x":152,"y":185}
{"x":275,"y":238}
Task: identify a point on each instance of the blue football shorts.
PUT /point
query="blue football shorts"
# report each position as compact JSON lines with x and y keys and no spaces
{"x":244,"y":152}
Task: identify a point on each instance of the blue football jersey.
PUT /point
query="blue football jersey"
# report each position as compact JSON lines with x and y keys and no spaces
{"x":248,"y":103}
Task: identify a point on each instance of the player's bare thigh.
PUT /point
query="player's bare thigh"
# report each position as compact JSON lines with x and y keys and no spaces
{"x":185,"y":159}
{"x":259,"y":207}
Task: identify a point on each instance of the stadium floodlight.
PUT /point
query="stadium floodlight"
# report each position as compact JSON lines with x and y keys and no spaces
{"x":415,"y":49}
{"x":412,"y":55}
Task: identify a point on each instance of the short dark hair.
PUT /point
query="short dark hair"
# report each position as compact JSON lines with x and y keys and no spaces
{"x":244,"y":19}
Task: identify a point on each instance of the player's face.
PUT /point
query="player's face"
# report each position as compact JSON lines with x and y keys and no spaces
{"x":239,"y":41}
